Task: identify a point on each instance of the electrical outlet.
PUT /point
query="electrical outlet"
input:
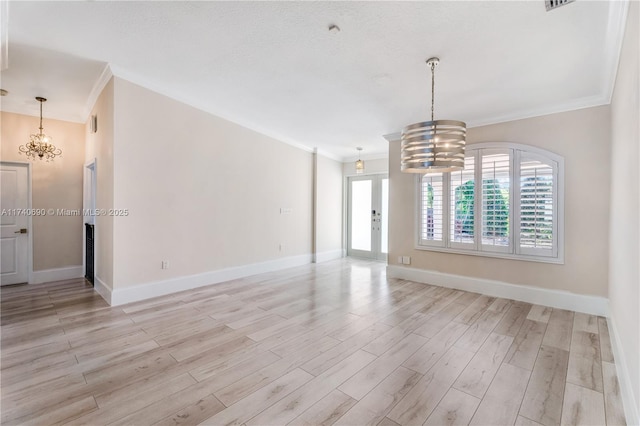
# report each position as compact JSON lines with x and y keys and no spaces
{"x":165,"y":264}
{"x":406,"y":260}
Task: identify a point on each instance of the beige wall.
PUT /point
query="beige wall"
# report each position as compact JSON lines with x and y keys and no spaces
{"x":582,"y":138}
{"x":57,"y":240}
{"x":99,"y":146}
{"x":624,"y":275}
{"x":203,"y":193}
{"x":329,"y":211}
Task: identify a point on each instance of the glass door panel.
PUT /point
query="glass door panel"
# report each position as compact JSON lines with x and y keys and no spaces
{"x":361,"y":198}
{"x":367,"y":233}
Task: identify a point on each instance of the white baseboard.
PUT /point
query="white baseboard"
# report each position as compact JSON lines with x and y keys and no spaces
{"x":56,"y":274}
{"x":593,"y":305}
{"x":626,"y":390}
{"x":102,"y":289}
{"x":329,"y":255}
{"x":120,"y":296}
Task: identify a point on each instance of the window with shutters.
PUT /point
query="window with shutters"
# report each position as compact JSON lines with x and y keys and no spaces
{"x":507,"y":202}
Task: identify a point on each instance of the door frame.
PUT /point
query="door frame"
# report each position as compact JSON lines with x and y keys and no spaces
{"x":28,"y":165}
{"x":375,"y":199}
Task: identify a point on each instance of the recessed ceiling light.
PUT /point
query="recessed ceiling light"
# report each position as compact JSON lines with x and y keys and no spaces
{"x":334,"y":29}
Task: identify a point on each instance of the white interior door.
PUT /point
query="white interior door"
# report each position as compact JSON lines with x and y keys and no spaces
{"x":367,"y":233}
{"x":14,"y":223}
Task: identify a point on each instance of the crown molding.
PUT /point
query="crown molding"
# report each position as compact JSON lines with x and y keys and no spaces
{"x":616,"y":26}
{"x":367,"y":157}
{"x":587,"y":102}
{"x":196,"y":103}
{"x":328,"y":155}
{"x":96,"y":90}
{"x":393,"y":137}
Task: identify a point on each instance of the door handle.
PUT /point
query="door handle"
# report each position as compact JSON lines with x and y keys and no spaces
{"x":21,"y":231}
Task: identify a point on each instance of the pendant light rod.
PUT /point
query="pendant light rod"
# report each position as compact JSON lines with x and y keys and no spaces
{"x":433,"y":63}
{"x":41,"y":100}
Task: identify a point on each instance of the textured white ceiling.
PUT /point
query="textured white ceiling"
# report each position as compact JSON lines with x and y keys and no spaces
{"x":275,"y":67}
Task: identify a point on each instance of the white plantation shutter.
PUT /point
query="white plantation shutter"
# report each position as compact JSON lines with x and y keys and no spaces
{"x":507,"y":202}
{"x":432,"y":209}
{"x":462,"y":206}
{"x":496,"y":188}
{"x":537,"y":205}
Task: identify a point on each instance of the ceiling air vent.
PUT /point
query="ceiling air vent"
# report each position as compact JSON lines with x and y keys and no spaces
{"x":554,"y":4}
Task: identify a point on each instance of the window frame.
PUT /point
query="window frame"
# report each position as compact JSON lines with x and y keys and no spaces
{"x":515,"y":251}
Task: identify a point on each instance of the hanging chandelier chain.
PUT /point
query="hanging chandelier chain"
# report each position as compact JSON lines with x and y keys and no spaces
{"x":433,"y":85}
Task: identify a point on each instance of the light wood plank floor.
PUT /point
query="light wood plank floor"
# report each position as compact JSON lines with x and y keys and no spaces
{"x":321,"y":344}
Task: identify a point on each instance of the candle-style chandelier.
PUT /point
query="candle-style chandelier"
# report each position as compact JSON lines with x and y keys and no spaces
{"x":39,"y":145}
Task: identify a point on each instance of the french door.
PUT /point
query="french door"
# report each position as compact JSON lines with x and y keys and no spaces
{"x":367,"y":216}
